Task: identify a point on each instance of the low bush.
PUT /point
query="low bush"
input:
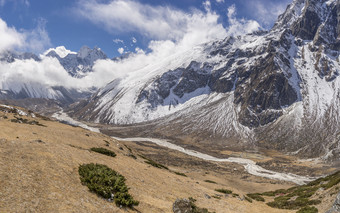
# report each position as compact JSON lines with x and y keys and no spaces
{"x":106,"y":183}
{"x":224,"y":191}
{"x":26,"y":121}
{"x":308,"y":209}
{"x":248,"y":199}
{"x":153,"y":163}
{"x":104,"y":151}
{"x":210,"y":181}
{"x":286,"y":203}
{"x":256,"y":196}
{"x":235,"y":195}
{"x":181,"y":174}
{"x":218,"y":197}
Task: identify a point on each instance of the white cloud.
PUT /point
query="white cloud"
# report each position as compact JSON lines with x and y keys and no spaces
{"x":117,"y":41}
{"x":134,"y":40}
{"x":154,"y":22}
{"x":266,"y":12}
{"x":36,"y":40}
{"x":240,"y":26}
{"x":25,"y":2}
{"x":121,"y":50}
{"x":207,"y":5}
{"x":10,"y":38}
{"x":61,"y":51}
{"x":220,"y":1}
{"x":48,"y":72}
{"x":182,"y":31}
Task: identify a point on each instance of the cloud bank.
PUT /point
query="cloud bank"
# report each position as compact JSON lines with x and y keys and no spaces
{"x":170,"y":31}
{"x":36,"y":40}
{"x":10,"y":38}
{"x":154,"y":22}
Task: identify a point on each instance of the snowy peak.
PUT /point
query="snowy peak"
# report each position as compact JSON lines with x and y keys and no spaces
{"x":292,"y":13}
{"x":91,"y":54}
{"x":60,"y":51}
{"x":315,"y":20}
{"x":84,"y":52}
{"x":77,"y":64}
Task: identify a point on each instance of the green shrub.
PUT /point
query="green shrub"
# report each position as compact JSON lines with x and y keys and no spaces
{"x":210,"y":181}
{"x":196,"y":209}
{"x":153,"y":163}
{"x":235,"y":195}
{"x":284,"y":199}
{"x":285,"y":203}
{"x":274,"y":193}
{"x":181,"y":174}
{"x":256,"y":196}
{"x":104,"y":151}
{"x":308,"y":209}
{"x":26,"y":121}
{"x":218,"y":197}
{"x":248,"y":199}
{"x":106,"y":183}
{"x":224,"y":191}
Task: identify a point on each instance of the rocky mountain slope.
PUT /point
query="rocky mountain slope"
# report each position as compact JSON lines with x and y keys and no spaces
{"x":278,"y":89}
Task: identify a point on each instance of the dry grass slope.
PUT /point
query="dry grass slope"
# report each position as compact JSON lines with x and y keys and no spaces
{"x":39,"y":173}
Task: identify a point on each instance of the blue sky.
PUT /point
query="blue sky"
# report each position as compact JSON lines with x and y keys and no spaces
{"x":114,"y":24}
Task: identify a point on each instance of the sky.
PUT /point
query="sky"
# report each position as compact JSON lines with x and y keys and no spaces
{"x":120,"y":26}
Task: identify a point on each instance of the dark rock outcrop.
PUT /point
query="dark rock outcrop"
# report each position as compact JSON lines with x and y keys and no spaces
{"x":336,"y":205}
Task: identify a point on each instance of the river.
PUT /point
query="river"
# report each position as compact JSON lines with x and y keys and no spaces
{"x":249,"y":165}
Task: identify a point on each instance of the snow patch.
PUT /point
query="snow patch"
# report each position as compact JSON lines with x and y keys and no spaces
{"x":62,"y":116}
{"x":61,"y":51}
{"x":249,"y":165}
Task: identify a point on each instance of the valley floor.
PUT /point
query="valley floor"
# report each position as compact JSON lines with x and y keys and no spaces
{"x":39,"y":172}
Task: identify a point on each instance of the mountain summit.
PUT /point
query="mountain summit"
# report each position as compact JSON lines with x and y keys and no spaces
{"x":78,"y":64}
{"x":276,"y":90}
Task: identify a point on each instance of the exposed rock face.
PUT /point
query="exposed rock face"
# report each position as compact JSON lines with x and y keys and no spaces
{"x":336,"y":206}
{"x":182,"y":206}
{"x":306,"y":26}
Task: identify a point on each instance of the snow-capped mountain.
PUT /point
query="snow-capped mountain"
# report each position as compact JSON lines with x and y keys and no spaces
{"x":61,"y":51}
{"x":278,"y":89}
{"x":77,"y":64}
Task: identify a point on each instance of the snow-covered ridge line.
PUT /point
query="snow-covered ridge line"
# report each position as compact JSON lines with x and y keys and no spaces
{"x":249,"y":165}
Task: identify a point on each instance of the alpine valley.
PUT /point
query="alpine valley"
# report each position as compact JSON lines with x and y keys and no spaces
{"x":258,"y":112}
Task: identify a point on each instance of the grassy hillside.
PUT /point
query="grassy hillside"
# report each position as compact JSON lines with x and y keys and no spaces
{"x":40,"y":159}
